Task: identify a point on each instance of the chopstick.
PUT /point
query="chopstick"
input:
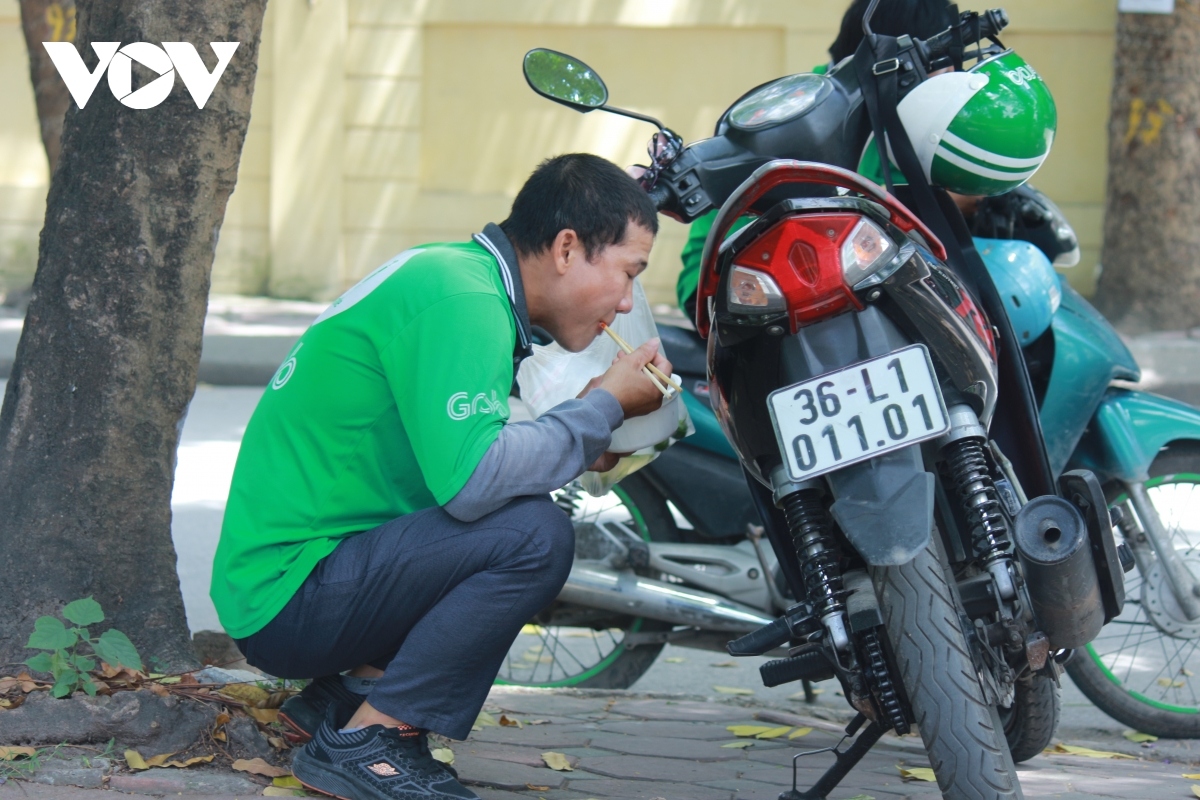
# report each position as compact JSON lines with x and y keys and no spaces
{"x":650,"y":370}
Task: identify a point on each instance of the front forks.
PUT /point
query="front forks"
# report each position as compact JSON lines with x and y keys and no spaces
{"x":1183,"y":584}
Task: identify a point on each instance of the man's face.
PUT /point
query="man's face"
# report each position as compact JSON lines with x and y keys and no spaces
{"x":595,"y":291}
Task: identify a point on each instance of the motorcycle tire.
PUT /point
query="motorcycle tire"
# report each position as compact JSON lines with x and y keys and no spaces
{"x":963,"y":734}
{"x":622,"y":666}
{"x":1166,"y":704}
{"x":1030,"y":722}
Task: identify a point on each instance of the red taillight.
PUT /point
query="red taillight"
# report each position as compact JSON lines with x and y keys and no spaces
{"x":803,"y":255}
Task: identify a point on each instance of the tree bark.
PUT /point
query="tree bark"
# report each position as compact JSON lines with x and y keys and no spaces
{"x":108,"y":357}
{"x":1151,"y":254}
{"x":48,"y":21}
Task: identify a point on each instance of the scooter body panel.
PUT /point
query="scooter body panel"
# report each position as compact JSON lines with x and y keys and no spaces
{"x":1127,"y":432}
{"x":1088,"y":357}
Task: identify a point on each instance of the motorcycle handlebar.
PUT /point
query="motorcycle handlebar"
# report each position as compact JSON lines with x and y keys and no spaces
{"x":972,"y":28}
{"x":660,"y":195}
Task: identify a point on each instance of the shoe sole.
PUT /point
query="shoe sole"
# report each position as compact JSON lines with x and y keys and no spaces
{"x":295,"y":734}
{"x":310,"y":774}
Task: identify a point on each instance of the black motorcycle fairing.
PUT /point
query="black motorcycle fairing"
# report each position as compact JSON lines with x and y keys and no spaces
{"x":936,"y":307}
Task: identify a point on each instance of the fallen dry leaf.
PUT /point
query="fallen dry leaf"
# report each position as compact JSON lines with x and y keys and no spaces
{"x":4,"y":703}
{"x":159,"y":689}
{"x":9,"y":753}
{"x":486,"y":720}
{"x":1192,"y":776}
{"x":443,"y":754}
{"x":263,"y":715}
{"x":287,"y":782}
{"x":276,"y":699}
{"x":739,"y":745}
{"x":724,"y":664}
{"x":774,"y":733}
{"x":537,"y":722}
{"x":557,"y":761}
{"x":256,"y":766}
{"x":253,"y":696}
{"x":8,"y":684}
{"x":531,"y":787}
{"x":1072,"y":750}
{"x":1196,"y":790}
{"x":732,"y":690}
{"x":747,"y":730}
{"x":510,"y":722}
{"x":803,"y":696}
{"x":796,"y":734}
{"x":170,"y":681}
{"x":277,"y":791}
{"x":187,"y":763}
{"x":218,"y":724}
{"x":1138,"y":737}
{"x":674,"y":660}
{"x":277,"y":742}
{"x":134,"y":760}
{"x":28,"y":684}
{"x":917,"y":774}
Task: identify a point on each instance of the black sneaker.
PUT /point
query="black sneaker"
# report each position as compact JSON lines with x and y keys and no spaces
{"x":303,"y":713}
{"x":375,"y":763}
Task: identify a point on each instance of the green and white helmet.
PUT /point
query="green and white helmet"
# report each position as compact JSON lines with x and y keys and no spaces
{"x":984,"y":131}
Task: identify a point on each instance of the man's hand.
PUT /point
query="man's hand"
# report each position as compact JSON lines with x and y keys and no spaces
{"x":606,"y":462}
{"x":625,"y":380}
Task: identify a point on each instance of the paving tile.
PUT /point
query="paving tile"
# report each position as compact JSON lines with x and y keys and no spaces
{"x":665,"y":728}
{"x":546,"y":703}
{"x":529,"y":756}
{"x":662,"y":769}
{"x":475,"y":771}
{"x":545,"y":736}
{"x":648,"y":790}
{"x":749,"y":790}
{"x":664,"y":747}
{"x":655,"y":708}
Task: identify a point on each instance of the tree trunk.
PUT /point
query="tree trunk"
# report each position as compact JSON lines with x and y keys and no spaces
{"x":1151,"y":256}
{"x":48,"y":21}
{"x":108,"y":357}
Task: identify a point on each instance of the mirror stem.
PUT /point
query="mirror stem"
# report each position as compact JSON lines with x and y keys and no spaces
{"x":635,"y":115}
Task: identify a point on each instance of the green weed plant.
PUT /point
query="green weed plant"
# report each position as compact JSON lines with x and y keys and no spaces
{"x":65,"y":660}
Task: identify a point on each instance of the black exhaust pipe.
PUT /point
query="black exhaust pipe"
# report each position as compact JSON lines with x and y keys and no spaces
{"x":1052,"y":542}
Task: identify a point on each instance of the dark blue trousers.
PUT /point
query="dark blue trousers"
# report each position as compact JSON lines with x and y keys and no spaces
{"x":434,"y":602}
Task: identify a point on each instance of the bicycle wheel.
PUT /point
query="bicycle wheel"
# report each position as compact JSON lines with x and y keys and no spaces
{"x":1144,"y":667}
{"x":589,"y":648}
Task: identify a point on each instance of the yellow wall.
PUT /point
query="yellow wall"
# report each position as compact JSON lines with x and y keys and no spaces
{"x":379,"y":124}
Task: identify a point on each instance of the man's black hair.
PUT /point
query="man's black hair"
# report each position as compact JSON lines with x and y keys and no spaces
{"x":588,"y":194}
{"x":918,"y":18}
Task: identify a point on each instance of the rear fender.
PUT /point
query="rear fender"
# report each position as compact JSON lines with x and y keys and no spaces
{"x":885,"y":506}
{"x":1128,"y":430}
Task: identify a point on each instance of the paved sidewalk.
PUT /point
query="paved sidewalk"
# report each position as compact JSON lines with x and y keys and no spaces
{"x":636,"y":746}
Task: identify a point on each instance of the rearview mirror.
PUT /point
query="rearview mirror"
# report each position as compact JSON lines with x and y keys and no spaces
{"x":564,"y":79}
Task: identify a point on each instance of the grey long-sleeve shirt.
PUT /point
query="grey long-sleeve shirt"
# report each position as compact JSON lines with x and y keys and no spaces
{"x":537,"y":457}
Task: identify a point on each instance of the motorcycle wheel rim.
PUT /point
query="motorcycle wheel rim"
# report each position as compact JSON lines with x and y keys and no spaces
{"x":1172,"y":495}
{"x":550,"y":636}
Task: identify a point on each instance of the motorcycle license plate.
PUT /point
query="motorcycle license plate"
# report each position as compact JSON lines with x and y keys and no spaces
{"x":858,"y":412}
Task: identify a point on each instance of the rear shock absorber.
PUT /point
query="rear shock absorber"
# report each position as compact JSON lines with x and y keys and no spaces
{"x":963,"y":448}
{"x":812,"y":534}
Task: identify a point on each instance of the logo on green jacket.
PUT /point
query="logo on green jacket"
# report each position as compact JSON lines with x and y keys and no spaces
{"x":462,"y":406}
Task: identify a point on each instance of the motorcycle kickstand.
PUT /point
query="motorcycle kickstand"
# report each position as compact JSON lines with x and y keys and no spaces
{"x":841,"y":767}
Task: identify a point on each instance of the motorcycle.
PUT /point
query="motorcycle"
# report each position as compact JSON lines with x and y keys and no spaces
{"x":863,"y":369}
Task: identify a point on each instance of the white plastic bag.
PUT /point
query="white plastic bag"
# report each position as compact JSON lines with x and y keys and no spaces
{"x":553,"y":375}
